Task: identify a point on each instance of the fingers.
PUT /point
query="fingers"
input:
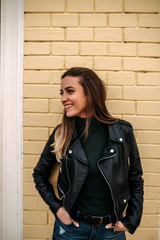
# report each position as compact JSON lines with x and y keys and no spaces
{"x":110,"y":225}
{"x":75,"y":223}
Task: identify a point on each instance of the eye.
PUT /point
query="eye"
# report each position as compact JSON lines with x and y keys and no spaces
{"x":70,"y":91}
{"x":61,"y":93}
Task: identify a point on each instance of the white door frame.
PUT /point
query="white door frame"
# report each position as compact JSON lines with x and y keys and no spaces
{"x":11,"y":94}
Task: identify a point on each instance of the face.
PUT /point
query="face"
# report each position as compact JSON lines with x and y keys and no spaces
{"x":73,"y":97}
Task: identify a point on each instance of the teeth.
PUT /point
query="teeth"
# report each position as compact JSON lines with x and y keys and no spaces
{"x":68,"y":106}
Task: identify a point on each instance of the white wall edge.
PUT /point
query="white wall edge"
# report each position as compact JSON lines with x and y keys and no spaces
{"x":11,"y":89}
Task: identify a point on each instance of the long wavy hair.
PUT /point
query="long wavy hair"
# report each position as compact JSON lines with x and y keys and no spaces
{"x":95,"y":92}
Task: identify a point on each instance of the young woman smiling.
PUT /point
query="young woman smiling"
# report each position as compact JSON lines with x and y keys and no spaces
{"x":100,"y":171}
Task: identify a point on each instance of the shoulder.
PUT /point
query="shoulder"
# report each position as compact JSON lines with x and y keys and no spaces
{"x":125,"y":126}
{"x":124,"y":123}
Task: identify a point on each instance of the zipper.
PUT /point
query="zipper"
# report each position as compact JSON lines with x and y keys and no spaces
{"x":68,"y":181}
{"x":61,"y":192}
{"x":108,"y":182}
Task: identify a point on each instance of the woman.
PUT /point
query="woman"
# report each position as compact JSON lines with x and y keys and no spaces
{"x":100,"y":170}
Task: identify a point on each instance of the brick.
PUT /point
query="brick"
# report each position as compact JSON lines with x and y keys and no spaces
{"x":151,"y":50}
{"x":35,"y":105}
{"x":36,"y":48}
{"x":29,"y":189}
{"x":151,"y":179}
{"x":27,"y":175}
{"x":34,"y":203}
{"x":43,"y":34}
{"x":141,"y":64}
{"x":151,"y":207}
{"x":44,"y":6}
{"x":114,"y":92}
{"x":30,"y":161}
{"x":93,"y":20}
{"x":151,"y":166}
{"x":43,"y":62}
{"x":79,"y":34}
{"x":35,"y":133}
{"x":39,"y":231}
{"x":41,"y":120}
{"x":122,"y":20}
{"x":122,"y":49}
{"x":143,"y":233}
{"x":141,"y":35}
{"x":33,"y":217}
{"x":107,"y":63}
{"x":108,"y":6}
{"x":102,"y":75}
{"x":33,"y":147}
{"x":70,"y":48}
{"x":142,"y":6}
{"x":51,"y":218}
{"x":144,"y":122}
{"x":41,"y":91}
{"x":40,"y":20}
{"x":148,"y":108}
{"x":36,"y":239}
{"x":148,"y":137}
{"x":149,"y":221}
{"x":79,"y":6}
{"x":121,"y":107}
{"x":121,"y":78}
{"x":78,"y":61}
{"x":36,"y":76}
{"x":152,"y":193}
{"x":108,"y":34}
{"x":64,"y":20}
{"x":151,"y":79}
{"x":141,"y":93}
{"x":149,"y":151}
{"x":149,"y":20}
{"x":56,"y":106}
{"x":55,"y":77}
{"x":94,"y":49}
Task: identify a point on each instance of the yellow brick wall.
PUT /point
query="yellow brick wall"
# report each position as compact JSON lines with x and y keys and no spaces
{"x":119,"y":39}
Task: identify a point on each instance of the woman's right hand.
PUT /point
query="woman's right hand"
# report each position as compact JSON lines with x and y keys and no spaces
{"x":65,"y":218}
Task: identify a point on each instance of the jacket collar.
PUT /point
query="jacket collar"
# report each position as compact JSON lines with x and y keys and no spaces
{"x":114,"y":134}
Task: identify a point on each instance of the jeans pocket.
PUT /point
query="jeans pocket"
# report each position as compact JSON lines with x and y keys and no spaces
{"x":61,"y":223}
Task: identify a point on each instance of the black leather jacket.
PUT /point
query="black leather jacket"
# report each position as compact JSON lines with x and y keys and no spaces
{"x":119,"y":164}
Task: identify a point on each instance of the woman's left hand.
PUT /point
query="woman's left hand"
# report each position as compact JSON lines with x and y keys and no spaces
{"x":117,"y":227}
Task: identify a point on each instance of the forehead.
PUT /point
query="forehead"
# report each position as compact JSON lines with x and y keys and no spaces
{"x":70,"y":81}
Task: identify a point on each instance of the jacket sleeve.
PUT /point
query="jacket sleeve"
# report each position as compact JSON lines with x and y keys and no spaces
{"x":41,"y":174}
{"x":135,"y":205}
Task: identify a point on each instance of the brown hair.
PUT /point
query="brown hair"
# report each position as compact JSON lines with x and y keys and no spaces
{"x":95,"y":91}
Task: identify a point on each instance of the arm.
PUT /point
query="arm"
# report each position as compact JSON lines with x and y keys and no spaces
{"x":41,"y":174}
{"x":135,"y":205}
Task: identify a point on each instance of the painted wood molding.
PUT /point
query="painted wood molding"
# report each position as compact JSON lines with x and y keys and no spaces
{"x":11,"y":85}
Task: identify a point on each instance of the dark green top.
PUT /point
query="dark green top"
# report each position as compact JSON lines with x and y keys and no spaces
{"x":95,"y":196}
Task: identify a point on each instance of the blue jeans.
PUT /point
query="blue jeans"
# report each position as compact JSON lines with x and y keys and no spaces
{"x":84,"y":232}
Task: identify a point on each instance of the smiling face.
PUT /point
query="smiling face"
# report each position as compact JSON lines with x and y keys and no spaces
{"x":73,"y":97}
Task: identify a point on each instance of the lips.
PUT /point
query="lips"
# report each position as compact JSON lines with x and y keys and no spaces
{"x":67,"y":106}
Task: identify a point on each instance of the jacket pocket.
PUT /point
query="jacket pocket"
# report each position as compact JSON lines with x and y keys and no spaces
{"x":123,"y":199}
{"x":61,"y":192}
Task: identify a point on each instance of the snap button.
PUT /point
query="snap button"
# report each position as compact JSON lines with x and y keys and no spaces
{"x":112,"y":150}
{"x":70,"y":151}
{"x":120,"y":139}
{"x":124,"y":201}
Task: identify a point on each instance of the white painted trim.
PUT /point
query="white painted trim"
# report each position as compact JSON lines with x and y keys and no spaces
{"x":11,"y":85}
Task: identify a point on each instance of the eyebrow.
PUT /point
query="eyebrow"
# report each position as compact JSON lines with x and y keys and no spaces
{"x":66,"y":88}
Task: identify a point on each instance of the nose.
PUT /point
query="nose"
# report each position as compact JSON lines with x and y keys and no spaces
{"x":64,"y":98}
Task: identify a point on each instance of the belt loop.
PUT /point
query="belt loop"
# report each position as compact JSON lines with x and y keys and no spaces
{"x":109,"y":218}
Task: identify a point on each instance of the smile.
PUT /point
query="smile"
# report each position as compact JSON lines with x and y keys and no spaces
{"x":67,"y":106}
